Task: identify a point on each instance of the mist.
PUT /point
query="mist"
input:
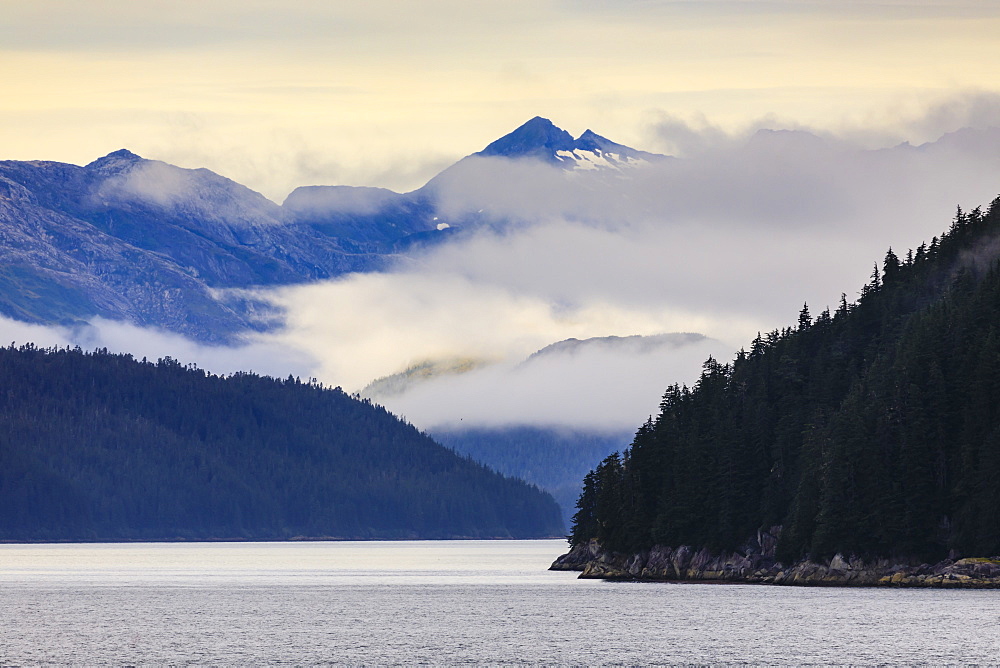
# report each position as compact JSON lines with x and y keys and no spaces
{"x":267,"y":358}
{"x":728,"y":242}
{"x":600,"y":388}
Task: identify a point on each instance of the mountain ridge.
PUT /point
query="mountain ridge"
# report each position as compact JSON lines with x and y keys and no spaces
{"x":103,"y":447}
{"x":138,"y":240}
{"x":129,"y":238}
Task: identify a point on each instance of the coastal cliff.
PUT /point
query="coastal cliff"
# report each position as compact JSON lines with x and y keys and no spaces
{"x":756,"y":564}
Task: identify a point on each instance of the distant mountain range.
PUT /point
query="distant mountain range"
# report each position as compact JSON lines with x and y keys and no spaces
{"x":153,"y":244}
{"x":126,"y":238}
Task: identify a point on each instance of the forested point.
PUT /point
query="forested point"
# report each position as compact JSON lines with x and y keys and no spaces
{"x":873,"y":430}
{"x":100,"y":446}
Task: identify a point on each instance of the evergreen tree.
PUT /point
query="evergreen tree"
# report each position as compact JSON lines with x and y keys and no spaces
{"x":96,"y":446}
{"x":874,"y":430}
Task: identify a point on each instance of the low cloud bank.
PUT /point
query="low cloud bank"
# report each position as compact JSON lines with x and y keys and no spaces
{"x":371,"y":325}
{"x":607,"y":389}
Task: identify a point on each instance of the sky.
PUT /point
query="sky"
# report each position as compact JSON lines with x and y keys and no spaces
{"x":387,"y":92}
{"x":728,"y":241}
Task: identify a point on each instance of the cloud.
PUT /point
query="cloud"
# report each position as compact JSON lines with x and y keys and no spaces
{"x":728,"y":242}
{"x":18,"y":333}
{"x":196,"y":194}
{"x":264,"y":357}
{"x":677,"y":136}
{"x":371,"y":325}
{"x":603,"y":388}
{"x":971,"y":109}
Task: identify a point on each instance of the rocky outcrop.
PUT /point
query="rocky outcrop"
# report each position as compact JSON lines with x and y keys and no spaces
{"x":578,"y":557}
{"x":756,"y":565}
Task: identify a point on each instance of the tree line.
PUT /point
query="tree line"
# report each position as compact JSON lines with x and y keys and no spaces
{"x":101,"y":446}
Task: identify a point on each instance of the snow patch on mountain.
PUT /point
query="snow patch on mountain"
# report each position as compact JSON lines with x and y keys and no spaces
{"x":541,"y":139}
{"x":597,"y":160}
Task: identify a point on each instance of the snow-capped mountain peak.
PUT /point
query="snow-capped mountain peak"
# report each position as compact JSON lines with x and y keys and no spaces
{"x":540,"y":139}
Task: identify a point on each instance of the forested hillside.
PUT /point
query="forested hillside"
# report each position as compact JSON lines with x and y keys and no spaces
{"x":554,"y":459}
{"x":96,"y":446}
{"x":873,"y":430}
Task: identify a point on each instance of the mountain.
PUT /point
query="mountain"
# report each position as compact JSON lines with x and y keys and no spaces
{"x":555,"y":459}
{"x":397,"y":384}
{"x":363,"y":220}
{"x":635,"y":344}
{"x":848,"y":445}
{"x":552,"y":457}
{"x":103,"y":447}
{"x":459,"y":199}
{"x":156,"y":245}
{"x":127,"y":238}
{"x":540,"y":139}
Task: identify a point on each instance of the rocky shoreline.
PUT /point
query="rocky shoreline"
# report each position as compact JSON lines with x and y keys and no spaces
{"x":756,"y":565}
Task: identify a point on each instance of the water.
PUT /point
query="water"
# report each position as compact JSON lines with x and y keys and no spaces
{"x":446,"y":602}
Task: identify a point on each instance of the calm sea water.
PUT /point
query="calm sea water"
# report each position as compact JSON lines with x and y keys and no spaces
{"x":446,"y":602}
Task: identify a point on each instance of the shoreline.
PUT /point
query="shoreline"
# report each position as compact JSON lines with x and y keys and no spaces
{"x":685,"y":565}
{"x":294,"y":539}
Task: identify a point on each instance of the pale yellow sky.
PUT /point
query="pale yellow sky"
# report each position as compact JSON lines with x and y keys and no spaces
{"x":280,"y":94}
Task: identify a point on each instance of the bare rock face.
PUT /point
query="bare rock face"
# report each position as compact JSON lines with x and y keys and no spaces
{"x":756,"y":565}
{"x":152,"y":244}
{"x":577,"y":558}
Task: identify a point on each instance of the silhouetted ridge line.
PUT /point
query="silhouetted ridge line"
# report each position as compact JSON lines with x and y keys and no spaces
{"x":96,"y":446}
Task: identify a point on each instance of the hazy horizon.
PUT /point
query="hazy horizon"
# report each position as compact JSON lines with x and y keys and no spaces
{"x":383,"y":93}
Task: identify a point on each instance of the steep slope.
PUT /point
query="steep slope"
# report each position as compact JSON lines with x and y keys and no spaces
{"x":538,"y":138}
{"x":57,"y":268}
{"x":143,"y":241}
{"x":871,"y":431}
{"x":102,"y":447}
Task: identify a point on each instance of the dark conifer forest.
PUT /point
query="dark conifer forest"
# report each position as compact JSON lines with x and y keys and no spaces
{"x":872,"y":430}
{"x":99,"y":446}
